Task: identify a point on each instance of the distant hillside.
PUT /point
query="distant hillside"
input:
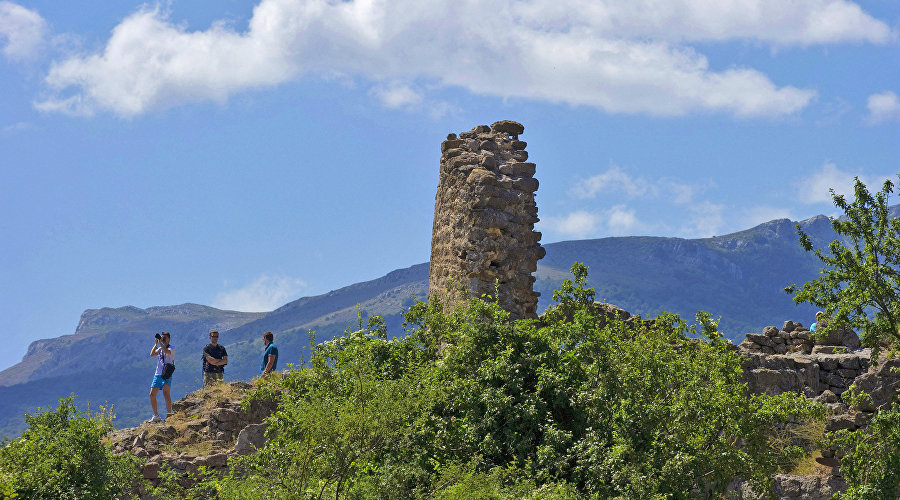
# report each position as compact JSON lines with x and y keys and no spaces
{"x":739,"y":277}
{"x":119,"y":336}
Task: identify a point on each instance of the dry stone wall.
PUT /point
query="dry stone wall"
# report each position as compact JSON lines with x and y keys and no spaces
{"x":792,"y":359}
{"x":484,"y":216}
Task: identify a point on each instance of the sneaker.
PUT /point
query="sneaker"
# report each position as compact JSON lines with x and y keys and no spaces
{"x":169,"y":415}
{"x":154,"y":419}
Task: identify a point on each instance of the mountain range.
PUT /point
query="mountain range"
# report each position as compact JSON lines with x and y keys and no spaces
{"x":737,"y":277}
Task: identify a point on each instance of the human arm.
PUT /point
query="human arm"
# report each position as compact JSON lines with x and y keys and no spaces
{"x":155,"y":350}
{"x":210,"y":354}
{"x":215,"y":361}
{"x":270,"y":362}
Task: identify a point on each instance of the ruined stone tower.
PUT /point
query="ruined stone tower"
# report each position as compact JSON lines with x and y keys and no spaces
{"x":484,"y":215}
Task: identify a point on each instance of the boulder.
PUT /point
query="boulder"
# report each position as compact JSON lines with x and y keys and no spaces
{"x":881,"y":383}
{"x":781,"y":373}
{"x":839,"y":337}
{"x":150,"y":470}
{"x":250,"y":439}
{"x":508,"y":127}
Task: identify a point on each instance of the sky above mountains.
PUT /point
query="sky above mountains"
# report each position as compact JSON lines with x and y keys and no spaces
{"x":242,"y":154}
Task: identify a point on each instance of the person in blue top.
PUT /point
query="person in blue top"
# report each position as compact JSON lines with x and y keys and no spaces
{"x":270,"y":355}
{"x":166,"y":354}
{"x":818,"y":320}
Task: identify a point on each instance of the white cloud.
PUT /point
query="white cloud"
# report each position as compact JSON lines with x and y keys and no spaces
{"x":619,"y":56}
{"x":621,"y":220}
{"x":618,"y":220}
{"x":704,"y":220}
{"x":801,"y":22}
{"x":263,"y":294}
{"x":578,"y":224}
{"x":755,"y":216}
{"x":815,"y":187}
{"x":615,"y":180}
{"x":397,"y":95}
{"x":883,"y":107}
{"x":22,"y":32}
{"x":17,"y":127}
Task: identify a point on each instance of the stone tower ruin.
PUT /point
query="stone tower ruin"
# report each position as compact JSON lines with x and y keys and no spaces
{"x":484,"y":216}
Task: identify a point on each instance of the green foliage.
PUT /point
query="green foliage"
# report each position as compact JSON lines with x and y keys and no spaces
{"x":871,"y":465}
{"x":61,"y":456}
{"x":862,"y":274}
{"x":471,"y":404}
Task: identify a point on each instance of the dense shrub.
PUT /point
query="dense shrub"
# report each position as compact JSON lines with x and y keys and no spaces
{"x":62,"y":456}
{"x":871,"y":465}
{"x":470,"y":404}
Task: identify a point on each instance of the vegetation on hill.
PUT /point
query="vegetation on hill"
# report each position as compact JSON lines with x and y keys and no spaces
{"x":471,"y":404}
{"x":62,"y":456}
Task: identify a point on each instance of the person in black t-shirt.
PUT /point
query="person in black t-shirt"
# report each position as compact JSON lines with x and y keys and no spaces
{"x":215,"y":357}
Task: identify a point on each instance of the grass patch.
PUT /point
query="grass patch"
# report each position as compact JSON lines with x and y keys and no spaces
{"x":808,"y":464}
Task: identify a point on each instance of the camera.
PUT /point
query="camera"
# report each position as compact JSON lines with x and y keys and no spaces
{"x":158,"y":336}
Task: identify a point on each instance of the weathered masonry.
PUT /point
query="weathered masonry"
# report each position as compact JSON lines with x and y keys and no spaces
{"x":484,"y":216}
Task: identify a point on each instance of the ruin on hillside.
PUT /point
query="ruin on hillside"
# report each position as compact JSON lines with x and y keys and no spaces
{"x":484,"y":216}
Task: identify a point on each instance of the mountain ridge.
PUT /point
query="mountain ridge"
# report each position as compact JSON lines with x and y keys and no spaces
{"x":738,"y":277}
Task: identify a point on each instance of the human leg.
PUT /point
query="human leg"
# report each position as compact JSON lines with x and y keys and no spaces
{"x":167,"y":388}
{"x":212,"y":378}
{"x":153,"y":391}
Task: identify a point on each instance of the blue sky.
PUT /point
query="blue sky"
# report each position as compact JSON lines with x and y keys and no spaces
{"x":243,"y":154}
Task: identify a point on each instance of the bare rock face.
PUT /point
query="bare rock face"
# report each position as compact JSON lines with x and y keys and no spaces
{"x":484,"y":216}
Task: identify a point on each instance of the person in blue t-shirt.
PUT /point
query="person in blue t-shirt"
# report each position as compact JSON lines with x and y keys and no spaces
{"x":818,"y":322}
{"x":270,"y":355}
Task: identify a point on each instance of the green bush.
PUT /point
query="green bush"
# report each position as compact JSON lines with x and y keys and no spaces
{"x":871,"y":465}
{"x":61,"y":456}
{"x":470,"y":404}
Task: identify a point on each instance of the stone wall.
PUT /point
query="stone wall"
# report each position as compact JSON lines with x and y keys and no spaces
{"x":792,"y":359}
{"x":794,"y":337}
{"x":484,"y":216}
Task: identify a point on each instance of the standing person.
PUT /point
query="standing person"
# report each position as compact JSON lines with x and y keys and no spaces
{"x":215,"y":357}
{"x":166,"y":354}
{"x":270,"y":355}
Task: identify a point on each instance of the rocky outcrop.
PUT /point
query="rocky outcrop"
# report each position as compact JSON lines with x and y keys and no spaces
{"x":208,"y":427}
{"x":484,"y":216}
{"x":822,"y":368}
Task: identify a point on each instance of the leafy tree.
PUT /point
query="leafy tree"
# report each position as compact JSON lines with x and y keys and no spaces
{"x":862,"y":273}
{"x":62,"y":456}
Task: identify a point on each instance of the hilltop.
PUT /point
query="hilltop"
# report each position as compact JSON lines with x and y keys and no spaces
{"x":737,"y":277}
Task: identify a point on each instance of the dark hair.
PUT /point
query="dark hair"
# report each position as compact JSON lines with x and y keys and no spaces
{"x":268,"y":336}
{"x":167,"y":334}
{"x":214,"y":331}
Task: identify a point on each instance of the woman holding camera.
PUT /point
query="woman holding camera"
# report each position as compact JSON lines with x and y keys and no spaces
{"x":166,"y":354}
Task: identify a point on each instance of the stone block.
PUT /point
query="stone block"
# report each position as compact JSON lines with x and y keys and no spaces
{"x":508,"y":127}
{"x":150,"y":470}
{"x":250,"y":439}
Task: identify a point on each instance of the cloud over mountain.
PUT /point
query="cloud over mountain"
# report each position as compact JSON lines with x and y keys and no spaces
{"x":265,"y":293}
